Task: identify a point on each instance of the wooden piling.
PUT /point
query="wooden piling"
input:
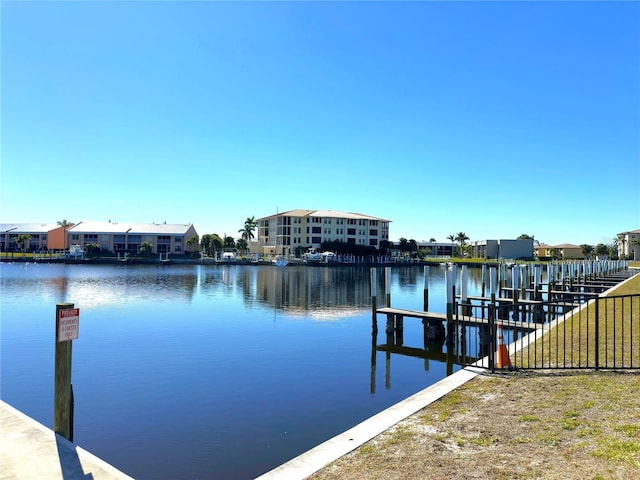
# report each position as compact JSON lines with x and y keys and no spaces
{"x":425,"y":294}
{"x":387,"y":285}
{"x":374,"y":299}
{"x":450,"y":293}
{"x":62,"y":400}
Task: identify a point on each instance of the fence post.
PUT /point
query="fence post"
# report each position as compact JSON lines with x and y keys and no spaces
{"x":597,"y":333}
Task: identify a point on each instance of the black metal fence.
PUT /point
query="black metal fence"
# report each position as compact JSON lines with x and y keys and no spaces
{"x":572,"y":330}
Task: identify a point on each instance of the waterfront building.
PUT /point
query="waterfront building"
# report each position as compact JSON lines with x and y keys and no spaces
{"x":42,"y":234}
{"x":520,"y":249}
{"x":629,"y":244}
{"x":108,"y":236}
{"x":128,"y":237}
{"x":438,"y":249}
{"x":296,"y":231}
{"x":564,"y":250}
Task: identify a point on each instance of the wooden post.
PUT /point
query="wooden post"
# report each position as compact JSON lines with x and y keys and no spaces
{"x":62,"y":401}
{"x":450,"y":293}
{"x":374,"y":299}
{"x":484,"y":280}
{"x":387,"y":285}
{"x":465,"y":304}
{"x":425,"y":295}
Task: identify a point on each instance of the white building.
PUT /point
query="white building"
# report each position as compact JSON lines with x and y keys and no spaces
{"x":512,"y":249}
{"x":629,"y":244}
{"x":284,"y":233}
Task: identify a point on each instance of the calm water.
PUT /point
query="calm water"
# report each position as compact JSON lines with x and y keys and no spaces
{"x":186,"y":372}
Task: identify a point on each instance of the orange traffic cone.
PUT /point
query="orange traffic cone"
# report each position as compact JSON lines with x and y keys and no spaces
{"x":502,"y":358}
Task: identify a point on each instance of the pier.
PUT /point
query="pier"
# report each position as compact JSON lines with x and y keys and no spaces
{"x":518,"y":303}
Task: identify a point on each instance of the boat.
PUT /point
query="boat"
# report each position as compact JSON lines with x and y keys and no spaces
{"x":312,"y":256}
{"x":228,"y":257}
{"x":280,"y":261}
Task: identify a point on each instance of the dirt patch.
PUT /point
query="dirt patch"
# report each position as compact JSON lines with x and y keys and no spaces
{"x":546,"y":425}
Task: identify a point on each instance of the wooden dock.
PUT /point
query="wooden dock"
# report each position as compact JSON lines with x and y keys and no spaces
{"x":460,"y":319}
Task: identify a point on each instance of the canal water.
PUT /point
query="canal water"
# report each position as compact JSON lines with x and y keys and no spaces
{"x":196,"y":371}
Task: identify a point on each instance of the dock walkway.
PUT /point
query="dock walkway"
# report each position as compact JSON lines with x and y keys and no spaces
{"x":29,"y":450}
{"x":464,"y":319}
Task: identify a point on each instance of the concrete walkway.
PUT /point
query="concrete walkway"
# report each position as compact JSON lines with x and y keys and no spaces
{"x":29,"y":450}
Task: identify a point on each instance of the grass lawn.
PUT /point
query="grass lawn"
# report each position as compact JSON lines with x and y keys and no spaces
{"x":543,"y":424}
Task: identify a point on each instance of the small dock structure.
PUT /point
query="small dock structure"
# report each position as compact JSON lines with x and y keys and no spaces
{"x":515,"y":299}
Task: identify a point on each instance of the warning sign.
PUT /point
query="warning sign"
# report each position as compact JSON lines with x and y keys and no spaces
{"x":68,"y":324}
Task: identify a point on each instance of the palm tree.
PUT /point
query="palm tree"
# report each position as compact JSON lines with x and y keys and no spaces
{"x":65,"y":226}
{"x":192,"y":243}
{"x":247,"y":231}
{"x":146,"y":248}
{"x":619,"y":242}
{"x":21,"y":240}
{"x":587,"y":250}
{"x":461,"y":238}
{"x":229,"y":242}
{"x":634,"y":244}
{"x":242,"y":245}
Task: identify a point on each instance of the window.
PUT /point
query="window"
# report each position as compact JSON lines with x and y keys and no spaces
{"x":373,"y":223}
{"x":373,"y":242}
{"x":351,"y":231}
{"x":316,"y":229}
{"x":373,"y":232}
{"x":316,"y":240}
{"x":351,"y":221}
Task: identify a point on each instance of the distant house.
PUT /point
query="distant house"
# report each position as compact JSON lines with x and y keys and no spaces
{"x":563,"y":250}
{"x":286,"y":232}
{"x":629,"y":244}
{"x":439,"y":249}
{"x":521,"y":249}
{"x":128,"y":237}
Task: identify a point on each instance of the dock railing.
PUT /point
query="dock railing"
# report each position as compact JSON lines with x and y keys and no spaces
{"x":578,"y":332}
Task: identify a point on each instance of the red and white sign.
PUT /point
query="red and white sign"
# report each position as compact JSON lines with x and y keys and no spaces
{"x":68,"y":324}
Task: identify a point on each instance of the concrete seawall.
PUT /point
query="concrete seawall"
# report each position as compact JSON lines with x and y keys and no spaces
{"x":29,"y":450}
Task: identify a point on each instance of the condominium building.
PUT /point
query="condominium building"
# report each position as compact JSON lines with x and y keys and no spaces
{"x":629,"y":244}
{"x":297,"y":230}
{"x":128,"y":237}
{"x":41,"y":236}
{"x":108,"y":236}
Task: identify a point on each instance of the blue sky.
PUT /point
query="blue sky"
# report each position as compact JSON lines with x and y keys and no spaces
{"x":494,"y":119}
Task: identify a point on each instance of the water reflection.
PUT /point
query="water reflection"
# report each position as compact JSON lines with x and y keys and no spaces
{"x":179,"y":371}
